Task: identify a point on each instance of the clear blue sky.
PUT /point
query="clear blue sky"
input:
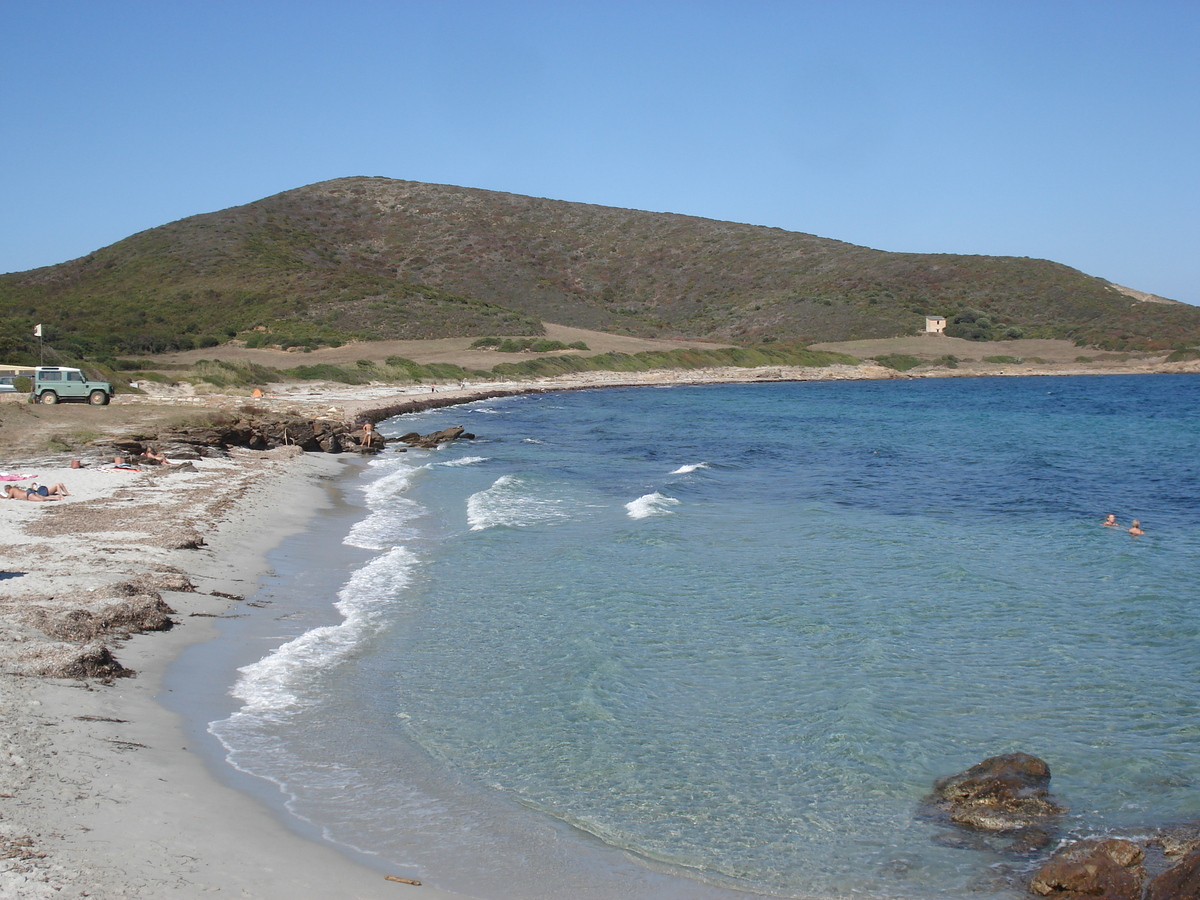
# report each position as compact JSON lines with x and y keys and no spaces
{"x":1063,"y":129}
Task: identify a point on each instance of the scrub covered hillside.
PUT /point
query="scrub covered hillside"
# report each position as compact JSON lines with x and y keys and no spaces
{"x":378,"y":259}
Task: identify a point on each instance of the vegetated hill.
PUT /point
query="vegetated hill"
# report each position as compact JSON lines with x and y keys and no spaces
{"x":376,"y":258}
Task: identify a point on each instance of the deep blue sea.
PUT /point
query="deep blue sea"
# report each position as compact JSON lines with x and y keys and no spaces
{"x":680,"y":642}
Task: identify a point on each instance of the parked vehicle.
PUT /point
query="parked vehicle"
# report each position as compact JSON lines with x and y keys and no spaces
{"x":6,"y":384}
{"x":54,"y":384}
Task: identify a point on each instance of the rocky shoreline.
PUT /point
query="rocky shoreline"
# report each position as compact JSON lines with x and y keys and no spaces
{"x":1004,"y":805}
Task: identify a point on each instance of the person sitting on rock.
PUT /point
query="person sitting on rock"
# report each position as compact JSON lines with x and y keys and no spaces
{"x":155,"y":458}
{"x":33,"y":492}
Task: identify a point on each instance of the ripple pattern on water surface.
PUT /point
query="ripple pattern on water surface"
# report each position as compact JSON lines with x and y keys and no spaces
{"x":754,"y":671}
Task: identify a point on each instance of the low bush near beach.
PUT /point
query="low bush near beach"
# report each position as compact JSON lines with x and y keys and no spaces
{"x":1181,"y":355}
{"x":741,"y":357}
{"x":901,"y":362}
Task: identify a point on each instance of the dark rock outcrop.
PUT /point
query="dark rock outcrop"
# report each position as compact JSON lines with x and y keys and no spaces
{"x":429,"y":441}
{"x":258,"y":429}
{"x":1180,"y":882}
{"x":434,"y":401}
{"x":1104,"y":869}
{"x":254,"y":431}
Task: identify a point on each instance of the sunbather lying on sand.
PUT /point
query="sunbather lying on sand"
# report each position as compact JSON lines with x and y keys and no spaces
{"x":33,"y":492}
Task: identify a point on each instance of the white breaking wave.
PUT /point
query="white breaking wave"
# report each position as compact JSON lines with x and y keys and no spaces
{"x":276,"y":683}
{"x":380,"y":492}
{"x":385,"y":528}
{"x":647,"y":505}
{"x":387,"y":525}
{"x":508,"y":502}
{"x":465,"y":461}
{"x":684,"y":470}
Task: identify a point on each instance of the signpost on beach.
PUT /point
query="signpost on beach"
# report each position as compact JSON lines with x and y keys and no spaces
{"x":37,"y":331}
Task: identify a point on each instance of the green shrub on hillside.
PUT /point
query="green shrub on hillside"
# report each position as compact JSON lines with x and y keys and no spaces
{"x":354,"y":258}
{"x":404,"y":369}
{"x":1184,"y":355}
{"x":526,"y":345}
{"x":742,"y":357}
{"x":975,"y":325}
{"x":901,"y":362}
{"x":286,"y":335}
{"x":229,"y":373}
{"x":327,"y":372}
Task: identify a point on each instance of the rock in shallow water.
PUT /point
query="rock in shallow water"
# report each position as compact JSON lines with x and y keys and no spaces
{"x":1105,"y":869}
{"x":1004,"y":795}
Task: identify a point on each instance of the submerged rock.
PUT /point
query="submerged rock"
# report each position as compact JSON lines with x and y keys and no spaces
{"x":1003,"y":795}
{"x":1177,"y":840}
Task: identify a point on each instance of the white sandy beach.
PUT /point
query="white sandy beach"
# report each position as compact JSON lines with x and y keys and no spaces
{"x":99,"y":795}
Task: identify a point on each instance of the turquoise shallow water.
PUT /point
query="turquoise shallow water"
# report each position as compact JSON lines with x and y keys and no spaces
{"x":737,"y":632}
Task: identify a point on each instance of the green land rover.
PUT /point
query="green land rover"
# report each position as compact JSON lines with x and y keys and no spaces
{"x":52,"y":384}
